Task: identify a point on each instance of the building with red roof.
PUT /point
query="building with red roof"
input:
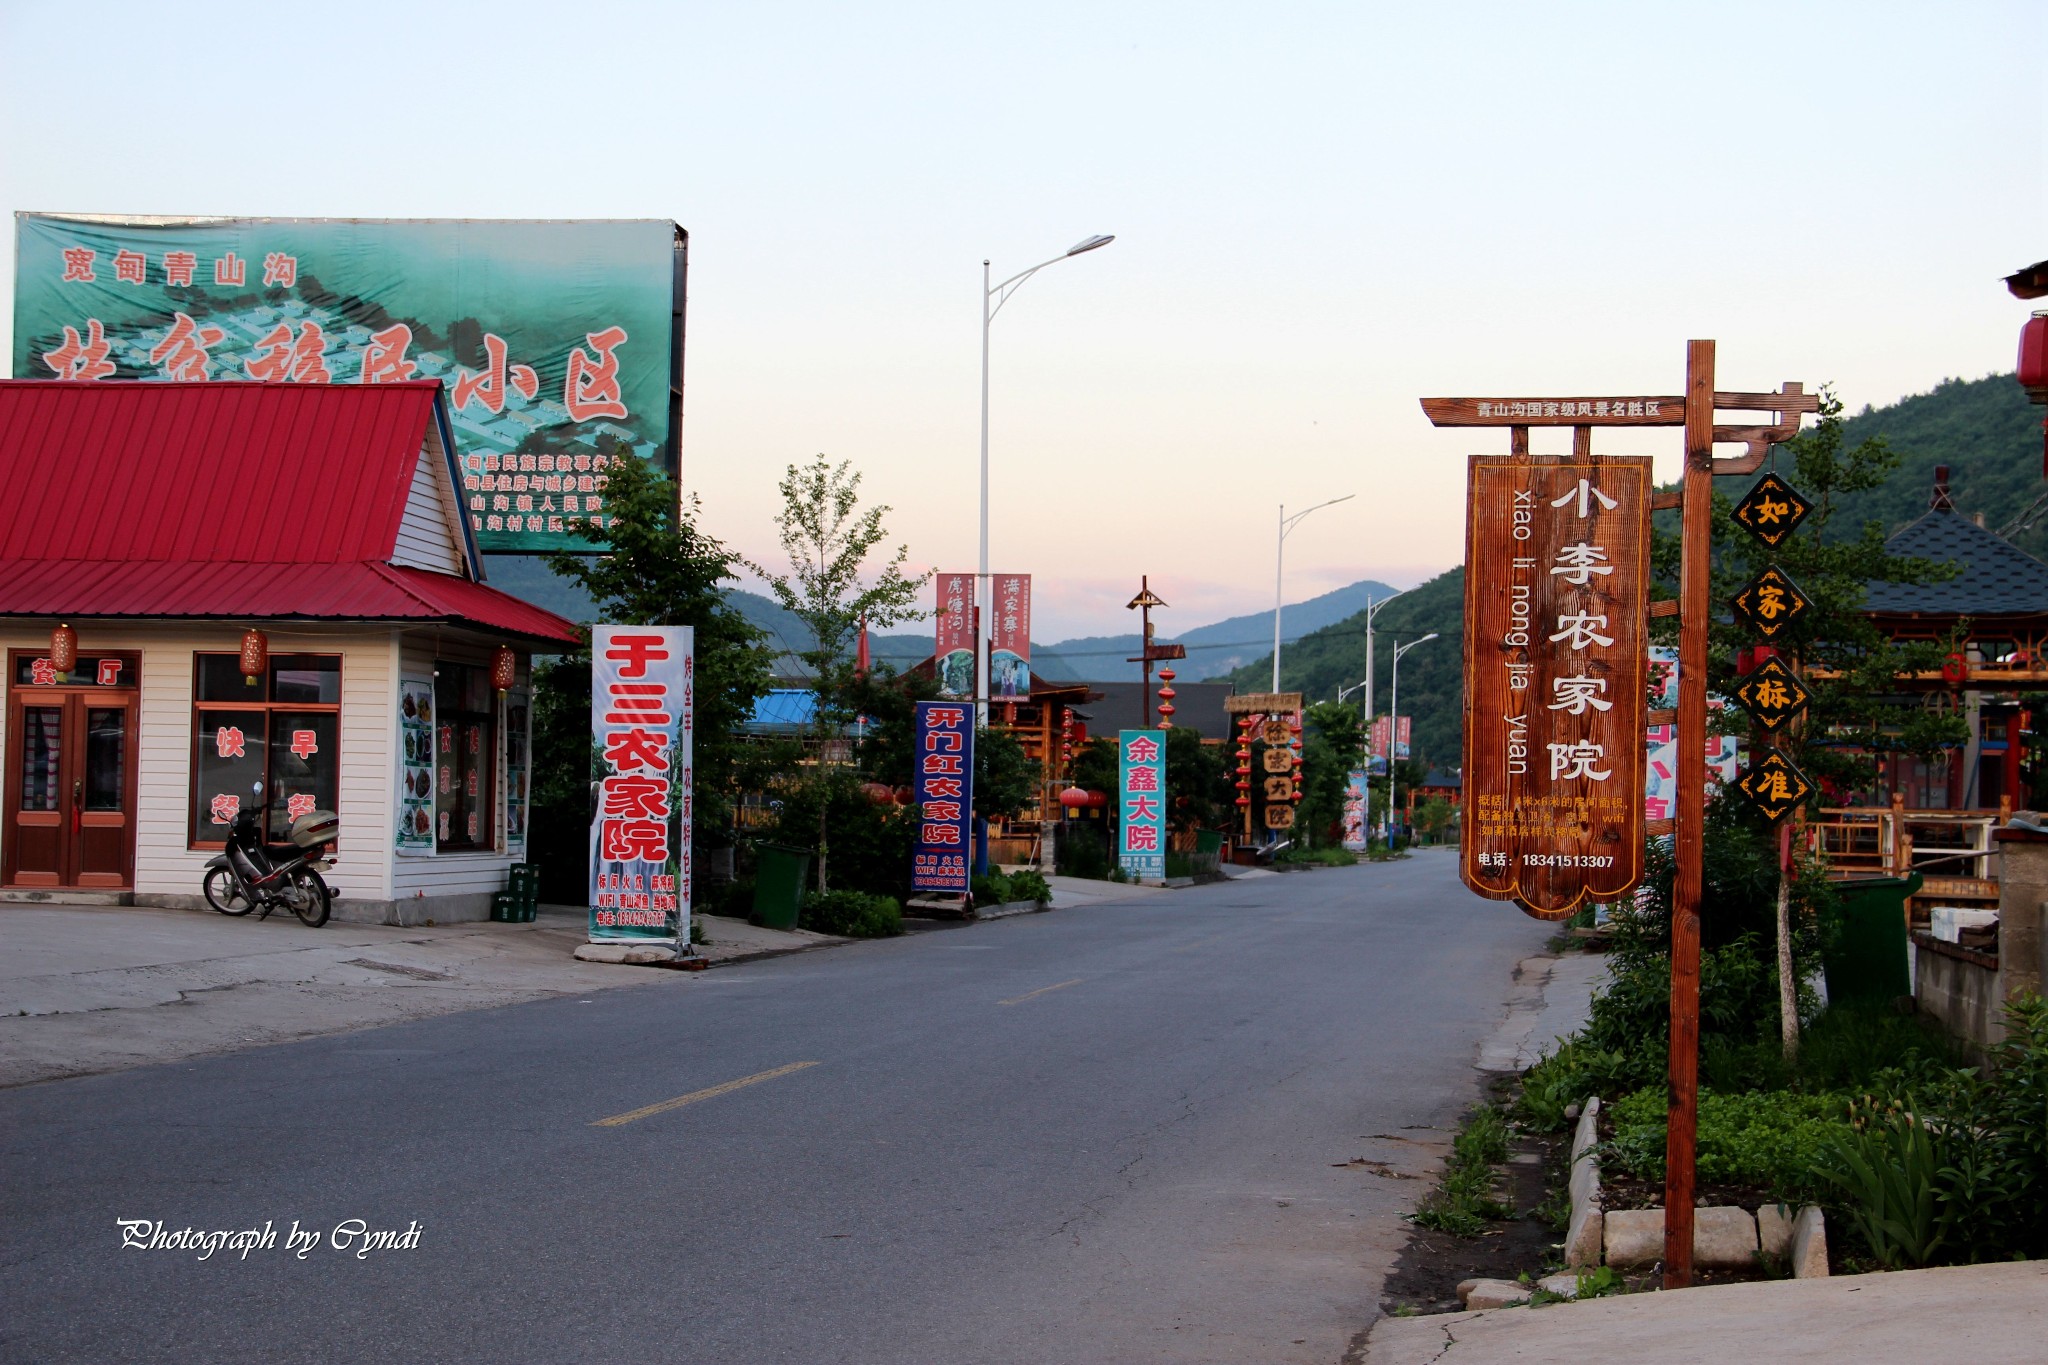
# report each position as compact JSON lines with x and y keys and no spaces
{"x":206,"y":586}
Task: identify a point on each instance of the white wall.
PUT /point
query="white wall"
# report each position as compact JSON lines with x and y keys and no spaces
{"x":427,"y":533}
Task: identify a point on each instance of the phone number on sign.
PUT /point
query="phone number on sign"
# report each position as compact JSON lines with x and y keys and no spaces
{"x":1549,"y":860}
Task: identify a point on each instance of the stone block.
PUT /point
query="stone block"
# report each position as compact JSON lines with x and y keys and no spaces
{"x":1564,"y":1286}
{"x":1721,"y":1237}
{"x":1633,"y":1237}
{"x":631,"y":954}
{"x":1588,"y":1131}
{"x":1809,"y":1244}
{"x":1479,"y":1294}
{"x":1585,"y":1239}
{"x":1774,"y":1230}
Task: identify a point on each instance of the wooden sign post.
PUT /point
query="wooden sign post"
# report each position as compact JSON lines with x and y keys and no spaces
{"x":1565,"y":820}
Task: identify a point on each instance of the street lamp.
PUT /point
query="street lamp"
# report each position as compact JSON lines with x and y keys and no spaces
{"x":1279,"y":553}
{"x":1372,"y":609}
{"x":992,"y":300}
{"x":1394,"y":726}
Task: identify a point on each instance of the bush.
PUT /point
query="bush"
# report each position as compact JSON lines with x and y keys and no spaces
{"x":851,"y":914}
{"x":1316,"y":857}
{"x":1027,"y":885}
{"x":1082,"y":850}
{"x":993,"y":889}
{"x":1772,"y":1141}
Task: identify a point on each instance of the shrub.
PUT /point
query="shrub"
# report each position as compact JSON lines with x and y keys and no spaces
{"x":851,"y":914}
{"x":1772,"y":1141}
{"x":993,"y":889}
{"x":1082,"y":851}
{"x":1317,"y":857}
{"x":1027,"y":885}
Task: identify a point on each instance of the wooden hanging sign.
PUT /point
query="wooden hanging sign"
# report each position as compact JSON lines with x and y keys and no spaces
{"x":1556,"y":609}
{"x":1770,"y":603}
{"x":1774,"y":786}
{"x":1771,"y":510}
{"x":1772,"y":695}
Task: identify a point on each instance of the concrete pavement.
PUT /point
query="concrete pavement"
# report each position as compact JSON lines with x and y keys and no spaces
{"x":87,"y":988}
{"x":1983,"y":1315}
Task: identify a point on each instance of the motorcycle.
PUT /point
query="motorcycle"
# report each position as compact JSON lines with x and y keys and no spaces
{"x":253,"y":873}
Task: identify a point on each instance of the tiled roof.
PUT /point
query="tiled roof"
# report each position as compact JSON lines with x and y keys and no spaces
{"x":1996,"y":579}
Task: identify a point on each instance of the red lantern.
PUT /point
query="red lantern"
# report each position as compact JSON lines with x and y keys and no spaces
{"x":504,"y":667}
{"x":881,"y":793}
{"x":255,"y":655}
{"x":63,"y":649}
{"x":1166,"y":696}
{"x":2033,"y":366}
{"x":1073,"y":798}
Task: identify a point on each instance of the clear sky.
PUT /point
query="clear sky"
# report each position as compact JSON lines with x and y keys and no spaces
{"x":1322,"y":212}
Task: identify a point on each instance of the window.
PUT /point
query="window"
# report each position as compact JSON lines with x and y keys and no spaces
{"x":465,"y":750}
{"x":282,"y":729}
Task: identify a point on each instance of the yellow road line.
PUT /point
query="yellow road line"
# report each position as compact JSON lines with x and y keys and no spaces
{"x":679,"y":1101}
{"x":1042,"y":990}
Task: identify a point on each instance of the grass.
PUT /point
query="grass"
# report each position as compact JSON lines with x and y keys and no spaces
{"x":1463,"y":1203}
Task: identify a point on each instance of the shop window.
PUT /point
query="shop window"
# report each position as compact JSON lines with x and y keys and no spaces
{"x":282,"y":729}
{"x":465,"y":750}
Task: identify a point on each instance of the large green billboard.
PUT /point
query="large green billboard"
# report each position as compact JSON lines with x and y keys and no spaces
{"x":560,"y":342}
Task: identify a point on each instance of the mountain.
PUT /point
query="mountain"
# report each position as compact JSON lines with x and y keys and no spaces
{"x":1213,"y":650}
{"x":1432,"y":675}
{"x":1984,"y":430}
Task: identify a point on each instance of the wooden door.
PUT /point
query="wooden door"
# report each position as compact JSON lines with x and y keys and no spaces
{"x":70,"y":780}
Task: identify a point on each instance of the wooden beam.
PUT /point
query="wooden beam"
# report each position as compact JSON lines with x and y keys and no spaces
{"x":1667,"y":607}
{"x":1666,"y":502}
{"x":1682,"y":1120}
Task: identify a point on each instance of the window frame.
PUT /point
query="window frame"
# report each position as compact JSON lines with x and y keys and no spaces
{"x":269,"y":708}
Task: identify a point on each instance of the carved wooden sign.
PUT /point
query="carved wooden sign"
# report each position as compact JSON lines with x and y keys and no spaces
{"x":1665,"y":411}
{"x":1557,"y":578}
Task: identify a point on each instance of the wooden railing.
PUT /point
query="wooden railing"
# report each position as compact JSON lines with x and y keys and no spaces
{"x":1950,"y":849}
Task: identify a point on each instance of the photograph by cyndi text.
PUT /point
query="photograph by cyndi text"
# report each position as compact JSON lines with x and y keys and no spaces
{"x":350,"y":1236}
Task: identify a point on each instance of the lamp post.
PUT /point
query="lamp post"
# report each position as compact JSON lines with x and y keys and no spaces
{"x":992,"y":300}
{"x":1394,"y":726}
{"x":1287,"y":524}
{"x":1372,"y":609}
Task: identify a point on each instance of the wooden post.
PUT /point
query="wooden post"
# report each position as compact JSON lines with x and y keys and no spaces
{"x":1694,"y":606}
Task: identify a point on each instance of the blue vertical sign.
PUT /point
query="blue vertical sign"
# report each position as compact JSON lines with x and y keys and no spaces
{"x":945,"y":795}
{"x":1141,"y":807}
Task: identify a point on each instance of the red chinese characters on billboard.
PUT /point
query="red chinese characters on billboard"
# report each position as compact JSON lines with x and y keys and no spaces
{"x":1010,"y":637}
{"x":1556,"y":610}
{"x":642,"y":713}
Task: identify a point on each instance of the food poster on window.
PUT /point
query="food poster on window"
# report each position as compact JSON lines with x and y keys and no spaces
{"x":1141,"y":808}
{"x":1009,"y":666}
{"x":517,"y":747}
{"x":944,"y":791}
{"x":415,"y":834}
{"x":642,"y":718}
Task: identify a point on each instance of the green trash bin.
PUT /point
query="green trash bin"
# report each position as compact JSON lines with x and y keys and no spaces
{"x":780,"y":875}
{"x":1867,"y":962}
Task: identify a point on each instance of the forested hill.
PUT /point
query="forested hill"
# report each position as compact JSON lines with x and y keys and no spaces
{"x":1984,"y":430}
{"x":1432,"y":675}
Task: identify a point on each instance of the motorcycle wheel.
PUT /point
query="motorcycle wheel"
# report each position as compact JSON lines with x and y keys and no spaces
{"x":310,"y":898}
{"x":224,"y":893}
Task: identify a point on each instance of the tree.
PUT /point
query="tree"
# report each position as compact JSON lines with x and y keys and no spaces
{"x":1333,"y":743}
{"x":1851,"y":668}
{"x":658,"y":567}
{"x":828,"y":540}
{"x":1198,"y":786}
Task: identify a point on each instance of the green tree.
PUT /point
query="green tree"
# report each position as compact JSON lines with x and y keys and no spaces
{"x":830,"y":588}
{"x":1199,"y":791}
{"x":658,"y":567}
{"x":1333,"y":741}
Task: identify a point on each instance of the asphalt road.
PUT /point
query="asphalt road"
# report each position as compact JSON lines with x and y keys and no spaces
{"x":1103,"y":1134}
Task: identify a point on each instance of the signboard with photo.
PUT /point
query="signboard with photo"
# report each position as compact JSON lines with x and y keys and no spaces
{"x":560,"y":342}
{"x":953,"y":655}
{"x":1009,"y":668}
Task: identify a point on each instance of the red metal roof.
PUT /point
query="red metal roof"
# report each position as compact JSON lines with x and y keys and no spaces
{"x":114,"y":589}
{"x":247,"y":472}
{"x":236,"y":500}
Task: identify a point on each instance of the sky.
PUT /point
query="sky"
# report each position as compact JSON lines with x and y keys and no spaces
{"x":1322,"y":213}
